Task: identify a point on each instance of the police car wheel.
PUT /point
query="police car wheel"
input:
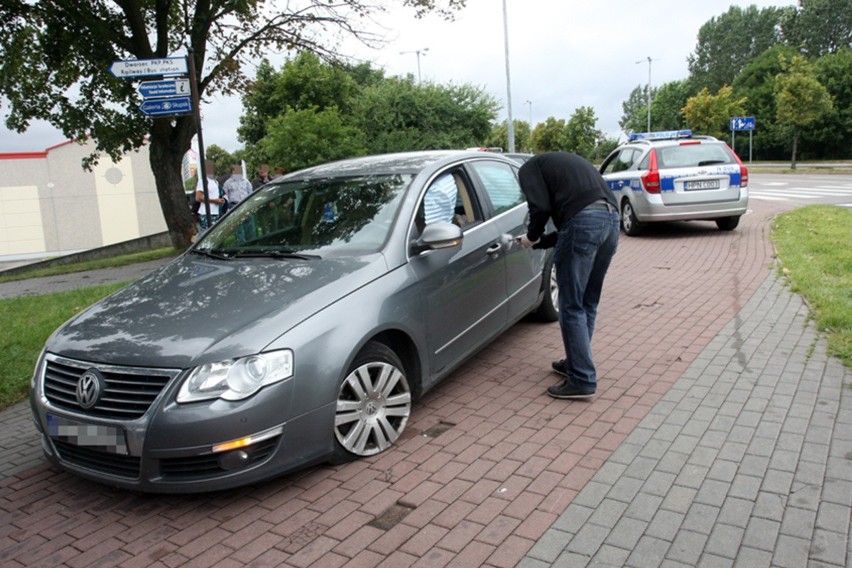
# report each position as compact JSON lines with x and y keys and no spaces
{"x":629,"y":223}
{"x":727,"y":223}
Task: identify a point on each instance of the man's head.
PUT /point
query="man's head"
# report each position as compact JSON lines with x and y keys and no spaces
{"x":263,"y":170}
{"x":210,"y":167}
{"x":236,"y":169}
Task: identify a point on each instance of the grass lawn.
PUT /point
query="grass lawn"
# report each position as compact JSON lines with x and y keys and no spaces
{"x":28,"y":321}
{"x":122,"y":260}
{"x":814,"y":245}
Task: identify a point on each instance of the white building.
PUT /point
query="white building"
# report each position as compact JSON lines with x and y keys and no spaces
{"x":50,"y":205}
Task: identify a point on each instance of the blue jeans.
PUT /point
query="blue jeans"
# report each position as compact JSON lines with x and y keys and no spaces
{"x":584,"y":249}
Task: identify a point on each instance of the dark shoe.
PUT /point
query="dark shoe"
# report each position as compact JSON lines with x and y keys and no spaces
{"x":559,"y":367}
{"x":567,"y":389}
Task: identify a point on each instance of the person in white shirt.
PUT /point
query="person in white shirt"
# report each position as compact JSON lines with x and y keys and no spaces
{"x":439,"y":202}
{"x":213,"y":192}
{"x":237,"y":187}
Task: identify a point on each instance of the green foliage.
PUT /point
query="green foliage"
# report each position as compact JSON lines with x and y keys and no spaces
{"x":814,"y":253}
{"x":219,"y":156}
{"x":635,"y":110}
{"x":819,"y":27}
{"x":301,"y":138}
{"x":499,"y":136}
{"x":398,"y":114}
{"x":728,"y":42}
{"x":800,"y":98}
{"x":604,"y":148}
{"x":707,"y":113}
{"x":581,"y":136}
{"x":830,"y":135}
{"x":28,"y":322}
{"x":549,"y":136}
{"x":667,"y":104}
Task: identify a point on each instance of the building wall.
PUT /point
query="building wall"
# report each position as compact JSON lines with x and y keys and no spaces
{"x":50,"y":205}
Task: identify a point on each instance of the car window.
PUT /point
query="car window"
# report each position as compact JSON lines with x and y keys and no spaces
{"x":625,"y":158}
{"x":448,"y":200}
{"x":501,"y":184}
{"x":693,"y":155}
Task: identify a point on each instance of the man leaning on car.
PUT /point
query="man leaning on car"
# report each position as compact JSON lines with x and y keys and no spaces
{"x":568,"y":189}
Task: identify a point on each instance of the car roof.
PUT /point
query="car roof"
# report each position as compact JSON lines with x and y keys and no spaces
{"x":400,"y":163}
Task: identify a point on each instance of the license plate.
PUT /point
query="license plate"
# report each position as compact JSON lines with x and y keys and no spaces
{"x":106,"y":438}
{"x":701,"y":184}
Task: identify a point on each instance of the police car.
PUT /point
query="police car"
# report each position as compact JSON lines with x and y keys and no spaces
{"x":676,"y":176}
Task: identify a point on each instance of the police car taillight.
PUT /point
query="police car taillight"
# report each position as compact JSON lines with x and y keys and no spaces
{"x":651,"y":180}
{"x":743,"y":169}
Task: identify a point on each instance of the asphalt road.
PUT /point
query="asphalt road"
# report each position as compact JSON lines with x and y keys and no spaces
{"x":796,"y":190}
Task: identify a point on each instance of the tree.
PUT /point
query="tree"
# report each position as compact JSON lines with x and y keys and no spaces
{"x":819,"y":27}
{"x":221,"y":157}
{"x":831,"y":133}
{"x":499,"y":136}
{"x":708,"y":113}
{"x":301,"y":138}
{"x":667,"y":104}
{"x":549,"y":136}
{"x":800,"y":98}
{"x":635,"y":110}
{"x":580,"y":135}
{"x":399,"y":114}
{"x":728,"y":42}
{"x":55,"y":56}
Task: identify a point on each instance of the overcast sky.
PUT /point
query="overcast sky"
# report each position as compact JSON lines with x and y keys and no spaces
{"x":564,"y":54}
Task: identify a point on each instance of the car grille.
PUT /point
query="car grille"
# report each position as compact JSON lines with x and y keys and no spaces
{"x":128,"y":393}
{"x":196,"y":467}
{"x":103,"y":462}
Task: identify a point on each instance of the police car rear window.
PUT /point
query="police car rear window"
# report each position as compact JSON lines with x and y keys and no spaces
{"x":693,"y":155}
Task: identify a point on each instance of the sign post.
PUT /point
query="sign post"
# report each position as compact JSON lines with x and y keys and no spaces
{"x":741,"y":123}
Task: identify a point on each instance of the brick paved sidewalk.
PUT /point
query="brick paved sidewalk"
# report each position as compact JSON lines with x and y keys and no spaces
{"x":746,"y":461}
{"x":488,"y":463}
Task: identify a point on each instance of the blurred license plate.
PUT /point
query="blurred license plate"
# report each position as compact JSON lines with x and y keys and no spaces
{"x":701,"y":184}
{"x":107,"y":438}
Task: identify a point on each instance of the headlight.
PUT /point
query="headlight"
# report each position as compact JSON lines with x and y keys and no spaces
{"x":236,"y":379}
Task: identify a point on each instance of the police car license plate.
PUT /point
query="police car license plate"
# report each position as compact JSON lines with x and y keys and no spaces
{"x":701,"y":184}
{"x":106,"y":438}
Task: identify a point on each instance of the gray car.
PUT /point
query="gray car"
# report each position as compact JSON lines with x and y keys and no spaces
{"x":297,"y":330}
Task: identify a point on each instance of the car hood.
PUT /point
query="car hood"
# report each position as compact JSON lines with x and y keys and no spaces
{"x":197,"y":310}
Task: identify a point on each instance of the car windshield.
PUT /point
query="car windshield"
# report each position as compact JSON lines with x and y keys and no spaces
{"x":693,"y":155}
{"x":340,"y":216}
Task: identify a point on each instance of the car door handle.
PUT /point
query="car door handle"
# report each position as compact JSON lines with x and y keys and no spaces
{"x":493,"y":249}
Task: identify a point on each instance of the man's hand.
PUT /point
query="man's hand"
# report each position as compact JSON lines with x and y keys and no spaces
{"x":525,"y":242}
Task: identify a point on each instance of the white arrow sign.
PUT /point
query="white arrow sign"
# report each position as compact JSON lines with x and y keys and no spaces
{"x":146,"y":67}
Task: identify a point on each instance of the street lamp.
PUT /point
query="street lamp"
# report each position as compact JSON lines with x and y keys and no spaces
{"x":508,"y":79}
{"x":418,"y":52}
{"x":649,"y":60}
{"x":529,"y":103}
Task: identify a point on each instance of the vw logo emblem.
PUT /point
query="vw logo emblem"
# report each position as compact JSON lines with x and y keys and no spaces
{"x":89,"y":389}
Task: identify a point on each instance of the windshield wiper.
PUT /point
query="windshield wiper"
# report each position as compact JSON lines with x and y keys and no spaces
{"x":211,"y":254}
{"x":276,"y":254}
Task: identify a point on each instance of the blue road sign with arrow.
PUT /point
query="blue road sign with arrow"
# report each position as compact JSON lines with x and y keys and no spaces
{"x":173,"y":106}
{"x":739,"y":123}
{"x":166,"y":88}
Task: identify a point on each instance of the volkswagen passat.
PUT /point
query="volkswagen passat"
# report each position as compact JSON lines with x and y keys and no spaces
{"x":297,"y":330}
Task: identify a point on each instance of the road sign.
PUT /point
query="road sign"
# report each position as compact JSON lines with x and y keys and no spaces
{"x":173,"y":106}
{"x":167,"y":88}
{"x":129,"y":68}
{"x":739,"y":123}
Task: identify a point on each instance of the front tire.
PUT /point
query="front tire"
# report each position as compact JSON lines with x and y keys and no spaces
{"x":548,"y":309}
{"x":629,"y":223}
{"x":373,"y":404}
{"x":727,"y":223}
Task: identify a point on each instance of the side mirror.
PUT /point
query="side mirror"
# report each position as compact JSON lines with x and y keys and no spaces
{"x":438,"y":236}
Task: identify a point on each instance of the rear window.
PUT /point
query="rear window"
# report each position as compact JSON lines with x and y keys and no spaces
{"x":693,"y":155}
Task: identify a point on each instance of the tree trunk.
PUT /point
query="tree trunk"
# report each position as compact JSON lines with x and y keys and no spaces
{"x":795,"y":146}
{"x":168,"y":144}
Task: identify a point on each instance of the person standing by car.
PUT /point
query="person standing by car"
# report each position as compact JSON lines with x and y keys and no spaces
{"x":215,"y":195}
{"x":568,"y":189}
{"x":237,"y":187}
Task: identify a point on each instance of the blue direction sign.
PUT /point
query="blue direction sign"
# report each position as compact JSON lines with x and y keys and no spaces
{"x":166,"y":107}
{"x":739,"y":123}
{"x":167,"y":88}
{"x":129,"y":68}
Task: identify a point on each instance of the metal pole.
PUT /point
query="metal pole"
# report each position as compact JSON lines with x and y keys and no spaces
{"x":196,"y":111}
{"x":511,"y":128}
{"x":530,"y":103}
{"x":419,"y":80}
{"x":750,"y":132}
{"x":649,"y":93}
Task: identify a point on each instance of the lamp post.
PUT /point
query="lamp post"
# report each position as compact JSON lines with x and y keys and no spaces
{"x":511,"y":129}
{"x":418,"y":52}
{"x":530,"y":104}
{"x":649,"y":60}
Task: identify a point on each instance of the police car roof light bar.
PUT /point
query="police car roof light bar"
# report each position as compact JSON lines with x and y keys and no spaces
{"x":661,"y":135}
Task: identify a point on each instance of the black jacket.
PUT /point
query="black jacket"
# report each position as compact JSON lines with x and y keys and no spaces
{"x":557,"y":185}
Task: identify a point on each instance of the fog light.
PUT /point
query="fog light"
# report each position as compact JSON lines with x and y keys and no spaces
{"x":236,"y":459}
